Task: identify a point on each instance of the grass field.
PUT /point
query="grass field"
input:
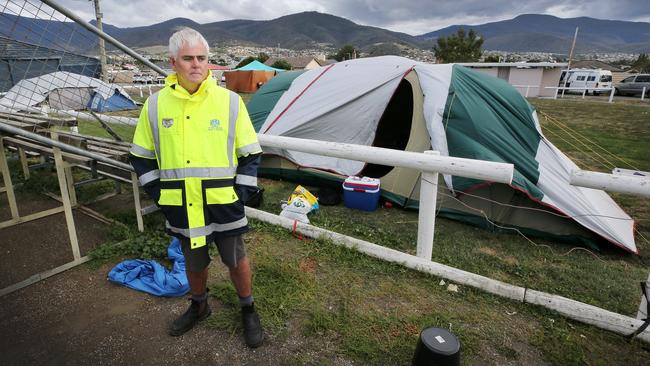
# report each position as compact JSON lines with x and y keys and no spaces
{"x":371,"y":311}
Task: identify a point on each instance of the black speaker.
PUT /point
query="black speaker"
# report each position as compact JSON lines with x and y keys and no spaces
{"x":437,"y":346}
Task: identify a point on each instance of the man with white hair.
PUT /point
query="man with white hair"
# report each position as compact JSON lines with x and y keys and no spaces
{"x":196,"y":154}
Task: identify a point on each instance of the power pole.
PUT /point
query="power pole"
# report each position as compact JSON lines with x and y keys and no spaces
{"x":568,"y":65}
{"x":102,"y":49}
{"x":575,"y":36}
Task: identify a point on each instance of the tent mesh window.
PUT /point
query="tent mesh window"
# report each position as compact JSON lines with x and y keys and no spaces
{"x":394,"y":127}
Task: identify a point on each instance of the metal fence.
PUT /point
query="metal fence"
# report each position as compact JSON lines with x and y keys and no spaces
{"x":50,"y":65}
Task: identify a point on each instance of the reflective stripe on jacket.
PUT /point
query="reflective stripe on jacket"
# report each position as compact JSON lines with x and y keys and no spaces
{"x":190,"y":152}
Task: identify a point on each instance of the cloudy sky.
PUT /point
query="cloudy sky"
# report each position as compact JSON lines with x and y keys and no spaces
{"x":408,"y":16}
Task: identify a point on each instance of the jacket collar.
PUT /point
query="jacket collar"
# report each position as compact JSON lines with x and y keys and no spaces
{"x":206,"y":86}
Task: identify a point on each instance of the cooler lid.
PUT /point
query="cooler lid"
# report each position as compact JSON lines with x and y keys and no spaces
{"x":361,"y":182}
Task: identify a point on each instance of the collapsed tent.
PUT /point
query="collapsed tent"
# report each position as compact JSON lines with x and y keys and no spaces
{"x":67,"y":91}
{"x":249,"y":77}
{"x":397,"y":103}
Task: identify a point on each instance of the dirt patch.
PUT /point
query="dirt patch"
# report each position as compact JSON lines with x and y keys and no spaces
{"x":308,"y":265}
{"x":488,"y":251}
{"x":78,"y":317}
{"x":36,"y":246}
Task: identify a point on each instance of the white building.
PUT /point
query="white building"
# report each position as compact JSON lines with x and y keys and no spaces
{"x":531,"y":79}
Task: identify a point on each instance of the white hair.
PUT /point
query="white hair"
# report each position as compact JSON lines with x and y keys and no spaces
{"x":185,"y":37}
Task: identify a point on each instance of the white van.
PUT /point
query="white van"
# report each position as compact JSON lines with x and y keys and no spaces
{"x":594,"y":80}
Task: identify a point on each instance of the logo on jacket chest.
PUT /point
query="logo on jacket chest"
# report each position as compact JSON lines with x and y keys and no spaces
{"x":167,"y":122}
{"x":215,"y":125}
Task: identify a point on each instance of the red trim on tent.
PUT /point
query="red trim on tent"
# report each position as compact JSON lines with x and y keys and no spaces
{"x":298,"y":96}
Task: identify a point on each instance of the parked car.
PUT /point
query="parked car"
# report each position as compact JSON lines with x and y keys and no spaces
{"x":595,"y":81}
{"x":633,"y":85}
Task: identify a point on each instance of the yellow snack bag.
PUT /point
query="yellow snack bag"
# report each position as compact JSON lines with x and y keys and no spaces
{"x":301,"y":191}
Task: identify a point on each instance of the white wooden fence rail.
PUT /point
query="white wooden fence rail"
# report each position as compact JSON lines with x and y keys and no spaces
{"x":430,"y":164}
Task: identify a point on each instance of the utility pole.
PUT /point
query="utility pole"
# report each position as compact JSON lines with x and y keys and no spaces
{"x":568,"y":65}
{"x":575,"y":36}
{"x":102,"y":49}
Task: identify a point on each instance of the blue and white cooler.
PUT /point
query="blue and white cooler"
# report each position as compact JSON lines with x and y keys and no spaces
{"x":361,"y":193}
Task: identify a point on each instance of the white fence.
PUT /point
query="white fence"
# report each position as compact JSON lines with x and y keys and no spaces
{"x":633,"y":184}
{"x":140,"y":87}
{"x":431,"y":164}
{"x":528,"y":87}
{"x":584,"y":90}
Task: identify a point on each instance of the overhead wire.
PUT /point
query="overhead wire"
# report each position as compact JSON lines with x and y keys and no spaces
{"x":573,"y":133}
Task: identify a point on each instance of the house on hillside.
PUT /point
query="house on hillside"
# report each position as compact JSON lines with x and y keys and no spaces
{"x":21,"y":60}
{"x":530,"y":78}
{"x":300,"y":62}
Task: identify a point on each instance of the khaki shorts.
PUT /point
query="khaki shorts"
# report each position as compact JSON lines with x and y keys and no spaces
{"x":231,"y":250}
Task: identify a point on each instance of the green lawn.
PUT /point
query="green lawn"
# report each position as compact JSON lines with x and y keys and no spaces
{"x":615,"y":135}
{"x":371,"y":312}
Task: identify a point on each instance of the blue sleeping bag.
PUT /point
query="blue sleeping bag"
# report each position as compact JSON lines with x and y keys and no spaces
{"x":152,"y":277}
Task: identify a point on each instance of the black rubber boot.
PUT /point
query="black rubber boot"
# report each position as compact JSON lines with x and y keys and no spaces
{"x":196,"y":312}
{"x":253,"y":333}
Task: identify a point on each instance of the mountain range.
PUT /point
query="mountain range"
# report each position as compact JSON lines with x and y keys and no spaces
{"x":546,"y":33}
{"x":530,"y":32}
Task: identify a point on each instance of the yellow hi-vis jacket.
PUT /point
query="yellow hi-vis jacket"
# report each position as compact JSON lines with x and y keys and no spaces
{"x":195,"y":155}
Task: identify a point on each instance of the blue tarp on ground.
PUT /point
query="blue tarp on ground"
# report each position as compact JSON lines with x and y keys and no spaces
{"x":152,"y":277}
{"x":116,"y":102}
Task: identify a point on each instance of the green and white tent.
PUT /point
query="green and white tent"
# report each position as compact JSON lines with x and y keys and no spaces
{"x":398,"y":103}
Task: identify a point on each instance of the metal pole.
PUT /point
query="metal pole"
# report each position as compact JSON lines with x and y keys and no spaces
{"x":611,"y":95}
{"x":103,"y":35}
{"x":65,"y":147}
{"x":6,"y":176}
{"x":67,"y":204}
{"x":427,"y":212}
{"x":102,"y":49}
{"x":568,"y":65}
{"x":136,"y":200}
{"x":643,"y":93}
